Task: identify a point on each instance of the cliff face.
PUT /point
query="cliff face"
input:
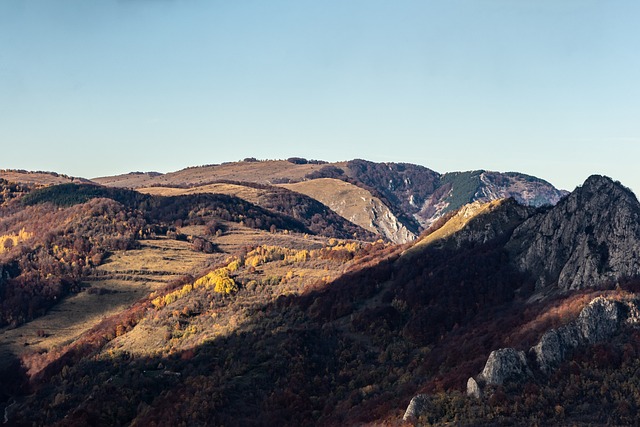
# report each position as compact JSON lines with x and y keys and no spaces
{"x":589,"y":238}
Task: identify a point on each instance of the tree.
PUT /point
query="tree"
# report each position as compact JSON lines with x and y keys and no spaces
{"x":8,"y":244}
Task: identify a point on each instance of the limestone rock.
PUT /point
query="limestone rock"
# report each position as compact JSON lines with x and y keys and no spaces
{"x":417,"y":405}
{"x":597,"y":322}
{"x":505,"y":364}
{"x":473,"y":388}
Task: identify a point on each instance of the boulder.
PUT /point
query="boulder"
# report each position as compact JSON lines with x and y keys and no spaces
{"x":417,"y":405}
{"x":505,"y":364}
{"x":597,"y":322}
{"x":473,"y":388}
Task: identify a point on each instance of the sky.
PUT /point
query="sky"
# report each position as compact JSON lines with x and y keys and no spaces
{"x":550,"y":88}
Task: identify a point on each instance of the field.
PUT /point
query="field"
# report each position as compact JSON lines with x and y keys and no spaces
{"x":128,"y":276}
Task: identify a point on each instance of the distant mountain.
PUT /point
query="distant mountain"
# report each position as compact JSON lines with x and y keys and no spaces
{"x":427,"y":195}
{"x":415,"y":195}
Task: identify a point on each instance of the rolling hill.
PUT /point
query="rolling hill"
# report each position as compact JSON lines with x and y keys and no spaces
{"x":414,"y":195}
{"x":187,"y":307}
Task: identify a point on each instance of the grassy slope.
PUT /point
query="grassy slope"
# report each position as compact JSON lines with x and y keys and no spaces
{"x":264,"y":172}
{"x":38,"y":178}
{"x":351,"y":202}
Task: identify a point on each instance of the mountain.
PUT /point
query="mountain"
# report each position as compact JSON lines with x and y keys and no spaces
{"x":214,"y":317}
{"x":459,"y":188}
{"x":591,"y":237}
{"x":319,"y":218}
{"x":414,"y":195}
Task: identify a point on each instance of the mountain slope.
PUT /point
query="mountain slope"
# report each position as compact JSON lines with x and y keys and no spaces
{"x":346,"y":333}
{"x":309,"y":211}
{"x":356,"y":205}
{"x":417,"y":196}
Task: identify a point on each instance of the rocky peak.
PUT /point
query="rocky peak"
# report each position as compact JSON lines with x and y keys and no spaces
{"x":589,"y":238}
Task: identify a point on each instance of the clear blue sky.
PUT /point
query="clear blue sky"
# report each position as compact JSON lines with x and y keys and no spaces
{"x":546,"y":87}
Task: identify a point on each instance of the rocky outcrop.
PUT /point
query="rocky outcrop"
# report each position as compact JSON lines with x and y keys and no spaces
{"x":417,"y":405}
{"x":589,"y":238}
{"x":384,"y":222}
{"x":503,"y":217}
{"x":503,"y":365}
{"x":473,"y":388}
{"x":597,"y":322}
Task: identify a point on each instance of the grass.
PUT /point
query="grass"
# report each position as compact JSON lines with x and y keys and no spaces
{"x":264,"y":172}
{"x":128,"y":276}
{"x":247,"y":193}
{"x":124,"y":278}
{"x":350,"y":202}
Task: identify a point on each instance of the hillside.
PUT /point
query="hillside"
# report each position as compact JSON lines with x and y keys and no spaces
{"x":414,"y":195}
{"x":38,"y":178}
{"x":356,"y":205}
{"x":260,"y":172}
{"x":316,"y":216}
{"x":237,"y":325}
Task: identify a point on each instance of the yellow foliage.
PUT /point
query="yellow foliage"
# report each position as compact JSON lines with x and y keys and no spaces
{"x":218,"y":279}
{"x":265,"y":254}
{"x":15,"y":239}
{"x":234,"y":265}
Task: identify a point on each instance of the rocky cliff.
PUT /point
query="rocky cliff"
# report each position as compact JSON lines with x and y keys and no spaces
{"x":589,"y":238}
{"x":597,"y":322}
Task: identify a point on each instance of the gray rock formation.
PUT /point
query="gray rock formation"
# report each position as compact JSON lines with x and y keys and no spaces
{"x":473,"y":388}
{"x":589,"y":238}
{"x":597,"y":322}
{"x":483,"y":228}
{"x":417,"y":405}
{"x":503,"y":365}
{"x":459,"y":188}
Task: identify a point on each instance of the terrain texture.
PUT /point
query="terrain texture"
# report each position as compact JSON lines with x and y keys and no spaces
{"x":304,"y":293}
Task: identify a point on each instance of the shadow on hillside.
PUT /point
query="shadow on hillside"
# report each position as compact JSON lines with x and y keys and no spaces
{"x":14,"y":378}
{"x":354,"y":351}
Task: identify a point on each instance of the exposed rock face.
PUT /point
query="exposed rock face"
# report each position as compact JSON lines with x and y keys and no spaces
{"x":387,"y":224}
{"x":417,"y":405}
{"x":590,"y":237}
{"x":597,"y":322}
{"x":484,"y":228}
{"x":503,"y":365}
{"x":459,"y":188}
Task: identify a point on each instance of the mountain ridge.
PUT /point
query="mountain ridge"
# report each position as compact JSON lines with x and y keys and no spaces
{"x":296,"y":329}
